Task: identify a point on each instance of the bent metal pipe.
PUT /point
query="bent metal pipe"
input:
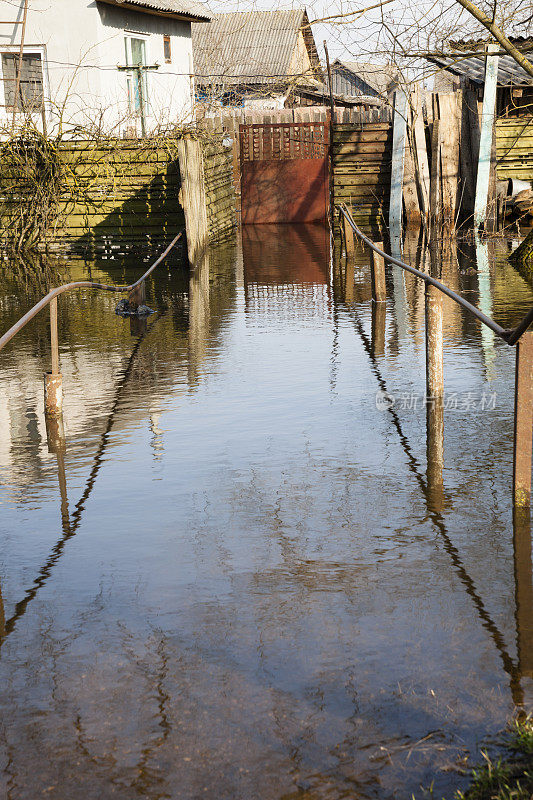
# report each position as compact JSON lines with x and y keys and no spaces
{"x":510,"y":336}
{"x":8,"y":335}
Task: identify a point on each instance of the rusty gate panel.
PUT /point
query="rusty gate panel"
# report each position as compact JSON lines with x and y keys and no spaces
{"x":284,"y":172}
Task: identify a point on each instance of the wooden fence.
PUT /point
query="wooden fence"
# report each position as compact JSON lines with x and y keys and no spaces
{"x":514,"y":148}
{"x":122,"y":192}
{"x":362,"y":158}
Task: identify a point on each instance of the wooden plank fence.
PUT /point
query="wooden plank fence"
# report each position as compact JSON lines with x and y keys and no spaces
{"x":514,"y":148}
{"x":362,"y":159}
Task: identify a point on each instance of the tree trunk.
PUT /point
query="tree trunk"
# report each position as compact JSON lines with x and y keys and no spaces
{"x":522,"y":257}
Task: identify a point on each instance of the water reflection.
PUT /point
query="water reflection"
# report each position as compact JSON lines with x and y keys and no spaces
{"x":260,"y":584}
{"x":523,"y":590}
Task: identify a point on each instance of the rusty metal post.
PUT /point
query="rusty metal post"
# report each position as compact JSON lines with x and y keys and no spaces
{"x":523,"y":421}
{"x":434,"y":397}
{"x":53,"y":381}
{"x":137,"y":296}
{"x":377,"y":272}
{"x":434,"y":372}
{"x":53,"y":336}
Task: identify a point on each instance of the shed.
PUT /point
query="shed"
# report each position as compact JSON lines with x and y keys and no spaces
{"x":466,"y":61}
{"x":256,"y":58}
{"x":355,"y":79}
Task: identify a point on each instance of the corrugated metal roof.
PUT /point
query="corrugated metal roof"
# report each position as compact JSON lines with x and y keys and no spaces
{"x":380,"y":77}
{"x":192,"y":9}
{"x":247,"y":47}
{"x":509,"y":72}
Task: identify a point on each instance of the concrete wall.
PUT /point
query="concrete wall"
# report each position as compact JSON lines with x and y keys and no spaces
{"x":82,"y":43}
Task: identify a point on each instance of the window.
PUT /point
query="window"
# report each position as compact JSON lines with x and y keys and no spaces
{"x":30,"y":90}
{"x":137,"y":79}
{"x":167,"y":50}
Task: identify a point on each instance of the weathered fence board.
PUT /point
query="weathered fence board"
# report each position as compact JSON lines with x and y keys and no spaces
{"x":362,"y":157}
{"x":514,"y":148}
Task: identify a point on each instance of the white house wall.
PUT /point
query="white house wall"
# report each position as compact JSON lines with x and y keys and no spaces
{"x":82,"y":44}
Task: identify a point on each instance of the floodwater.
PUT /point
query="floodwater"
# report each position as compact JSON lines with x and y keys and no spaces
{"x":241,"y":576}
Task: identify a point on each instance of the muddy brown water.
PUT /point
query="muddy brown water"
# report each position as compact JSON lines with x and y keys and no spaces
{"x":233,"y":582}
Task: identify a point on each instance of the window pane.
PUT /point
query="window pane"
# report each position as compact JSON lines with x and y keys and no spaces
{"x":30,"y":90}
{"x":138,"y":51}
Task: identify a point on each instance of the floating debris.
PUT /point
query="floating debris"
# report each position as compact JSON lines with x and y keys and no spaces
{"x":124,"y":309}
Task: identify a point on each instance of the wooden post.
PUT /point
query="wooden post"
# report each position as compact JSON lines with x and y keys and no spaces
{"x":398,"y":153}
{"x":435,"y":196}
{"x":523,"y":421}
{"x":420,"y":153}
{"x":193,"y":194}
{"x":377,"y":273}
{"x":450,"y":129}
{"x":410,"y":195}
{"x":487,"y":130}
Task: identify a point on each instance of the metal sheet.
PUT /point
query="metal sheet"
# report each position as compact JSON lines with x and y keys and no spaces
{"x":284,"y":172}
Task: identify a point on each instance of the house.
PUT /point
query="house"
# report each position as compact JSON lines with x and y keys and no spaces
{"x":256,"y":59}
{"x":121,"y":65}
{"x":356,"y":79}
{"x":465,"y":65}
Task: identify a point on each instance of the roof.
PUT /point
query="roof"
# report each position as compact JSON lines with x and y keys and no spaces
{"x":180,"y":9}
{"x":378,"y":76}
{"x":251,"y":47}
{"x":473,"y":67}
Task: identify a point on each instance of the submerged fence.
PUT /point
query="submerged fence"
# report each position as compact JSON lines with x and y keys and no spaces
{"x":519,"y":336}
{"x":53,"y":382}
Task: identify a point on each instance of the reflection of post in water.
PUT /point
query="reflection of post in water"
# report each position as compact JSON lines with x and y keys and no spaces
{"x":523,"y":590}
{"x":2,"y":617}
{"x":349,"y":280}
{"x":435,"y":452}
{"x":379,"y":321}
{"x":198,"y":315}
{"x":55,"y":434}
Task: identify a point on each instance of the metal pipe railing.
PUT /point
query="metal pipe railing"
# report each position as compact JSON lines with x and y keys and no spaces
{"x":54,"y":293}
{"x":510,"y":336}
{"x":518,"y":336}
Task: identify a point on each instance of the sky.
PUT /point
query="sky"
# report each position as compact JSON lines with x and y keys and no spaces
{"x":385,"y":34}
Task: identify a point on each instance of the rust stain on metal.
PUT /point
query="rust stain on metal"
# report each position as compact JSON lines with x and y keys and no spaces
{"x":284,"y":172}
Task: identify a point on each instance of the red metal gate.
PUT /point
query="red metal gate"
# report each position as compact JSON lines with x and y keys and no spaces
{"x":284,"y":172}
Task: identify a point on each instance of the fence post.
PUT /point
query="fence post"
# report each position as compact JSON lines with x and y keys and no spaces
{"x":194,"y":198}
{"x":53,"y":381}
{"x":349,"y":238}
{"x":377,"y":273}
{"x":523,"y":420}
